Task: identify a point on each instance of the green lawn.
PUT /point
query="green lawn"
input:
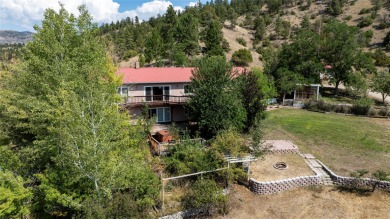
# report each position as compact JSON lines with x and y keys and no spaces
{"x":345,"y":143}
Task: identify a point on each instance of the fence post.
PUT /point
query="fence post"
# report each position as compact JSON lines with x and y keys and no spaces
{"x":162,"y":186}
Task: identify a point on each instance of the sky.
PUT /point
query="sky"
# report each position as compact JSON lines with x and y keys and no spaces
{"x":22,"y":15}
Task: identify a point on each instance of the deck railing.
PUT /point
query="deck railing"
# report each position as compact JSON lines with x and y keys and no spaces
{"x":156,"y":99}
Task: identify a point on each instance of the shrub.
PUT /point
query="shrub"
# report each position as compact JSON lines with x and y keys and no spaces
{"x":242,"y":57}
{"x":205,"y":195}
{"x":225,"y":45}
{"x":347,"y":18}
{"x":319,"y":105}
{"x":241,"y":41}
{"x":365,"y":11}
{"x":265,"y":43}
{"x":380,"y":57}
{"x":365,"y":22}
{"x":372,"y":112}
{"x":362,"y":106}
{"x":384,"y":111}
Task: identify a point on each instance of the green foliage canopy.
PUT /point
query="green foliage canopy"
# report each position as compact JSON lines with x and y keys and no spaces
{"x":59,"y":110}
{"x":215,"y":102}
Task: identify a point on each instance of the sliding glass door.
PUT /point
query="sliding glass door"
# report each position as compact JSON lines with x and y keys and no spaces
{"x":162,"y":114}
{"x":157,"y":93}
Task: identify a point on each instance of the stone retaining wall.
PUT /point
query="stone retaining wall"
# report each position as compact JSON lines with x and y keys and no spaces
{"x":351,"y":181}
{"x":282,"y":185}
{"x":283,"y":151}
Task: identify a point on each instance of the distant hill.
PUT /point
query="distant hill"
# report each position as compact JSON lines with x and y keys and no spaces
{"x":14,"y":37}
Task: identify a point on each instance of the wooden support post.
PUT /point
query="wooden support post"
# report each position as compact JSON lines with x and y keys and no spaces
{"x":162,"y":186}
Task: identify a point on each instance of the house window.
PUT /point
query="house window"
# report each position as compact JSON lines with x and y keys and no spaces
{"x":162,"y":114}
{"x":157,"y":93}
{"x":123,"y":91}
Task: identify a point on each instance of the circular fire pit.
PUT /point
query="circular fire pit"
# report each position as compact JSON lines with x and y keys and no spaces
{"x":280,"y":166}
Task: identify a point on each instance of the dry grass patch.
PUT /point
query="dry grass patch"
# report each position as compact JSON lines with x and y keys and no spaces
{"x":308,"y":202}
{"x":263,"y":170}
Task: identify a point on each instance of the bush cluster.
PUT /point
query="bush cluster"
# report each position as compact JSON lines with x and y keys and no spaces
{"x":365,"y":11}
{"x":365,"y":22}
{"x":362,"y":106}
{"x":241,"y":41}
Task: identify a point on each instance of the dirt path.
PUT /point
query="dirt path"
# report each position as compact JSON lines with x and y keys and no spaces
{"x":371,"y":94}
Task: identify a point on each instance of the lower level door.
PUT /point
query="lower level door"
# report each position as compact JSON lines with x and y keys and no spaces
{"x":162,"y":114}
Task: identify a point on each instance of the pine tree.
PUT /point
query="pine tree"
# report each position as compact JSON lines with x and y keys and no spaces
{"x":187,"y":35}
{"x":213,"y":39}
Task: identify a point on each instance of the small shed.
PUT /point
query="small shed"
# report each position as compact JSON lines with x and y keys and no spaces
{"x":305,"y":92}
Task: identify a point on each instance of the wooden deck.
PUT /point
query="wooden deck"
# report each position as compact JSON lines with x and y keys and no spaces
{"x":155,"y":100}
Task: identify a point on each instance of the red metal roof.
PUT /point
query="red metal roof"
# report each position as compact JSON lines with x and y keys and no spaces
{"x":158,"y":75}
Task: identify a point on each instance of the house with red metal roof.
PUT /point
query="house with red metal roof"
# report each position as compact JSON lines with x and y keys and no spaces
{"x":163,"y":89}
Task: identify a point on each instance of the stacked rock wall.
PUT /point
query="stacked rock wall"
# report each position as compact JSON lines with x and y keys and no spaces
{"x":282,"y":185}
{"x":354,"y":182}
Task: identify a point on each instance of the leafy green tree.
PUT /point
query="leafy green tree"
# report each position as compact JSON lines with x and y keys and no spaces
{"x":302,"y":56}
{"x":15,"y":199}
{"x":215,"y":103}
{"x":242,"y":57}
{"x":213,"y":39}
{"x":287,"y":81}
{"x":180,"y":58}
{"x":61,"y":114}
{"x":381,"y":84}
{"x":358,"y":85}
{"x":256,"y":90}
{"x":341,"y":50}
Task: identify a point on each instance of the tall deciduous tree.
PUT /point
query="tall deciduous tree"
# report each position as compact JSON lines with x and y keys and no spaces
{"x":62,"y":117}
{"x":256,"y":90}
{"x":342,"y":51}
{"x":15,"y":199}
{"x":381,"y":84}
{"x":215,"y":102}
